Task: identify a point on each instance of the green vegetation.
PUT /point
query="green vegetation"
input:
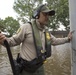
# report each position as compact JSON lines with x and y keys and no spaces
{"x":25,"y":8}
{"x":9,"y":25}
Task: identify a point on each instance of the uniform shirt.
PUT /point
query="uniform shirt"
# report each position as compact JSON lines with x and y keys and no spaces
{"x":24,"y":37}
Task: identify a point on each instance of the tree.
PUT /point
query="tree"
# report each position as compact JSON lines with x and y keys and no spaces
{"x":11,"y":25}
{"x":2,"y":27}
{"x":62,"y":13}
{"x":63,"y":16}
{"x":25,"y":8}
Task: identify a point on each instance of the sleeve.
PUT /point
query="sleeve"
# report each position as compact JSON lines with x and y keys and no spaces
{"x":58,"y":41}
{"x":18,"y":37}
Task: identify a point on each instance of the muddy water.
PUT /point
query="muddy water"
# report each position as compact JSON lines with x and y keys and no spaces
{"x":58,"y":64}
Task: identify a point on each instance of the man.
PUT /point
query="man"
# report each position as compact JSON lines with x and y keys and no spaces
{"x":36,"y":41}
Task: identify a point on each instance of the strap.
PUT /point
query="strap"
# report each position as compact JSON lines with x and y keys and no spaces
{"x":48,"y":43}
{"x":33,"y":36}
{"x":41,"y":54}
{"x":37,"y":41}
{"x":10,"y":57}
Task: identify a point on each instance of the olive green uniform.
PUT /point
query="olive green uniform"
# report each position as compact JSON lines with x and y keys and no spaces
{"x":24,"y":37}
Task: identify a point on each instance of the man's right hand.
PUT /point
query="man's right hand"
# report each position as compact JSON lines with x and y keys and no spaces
{"x":2,"y":38}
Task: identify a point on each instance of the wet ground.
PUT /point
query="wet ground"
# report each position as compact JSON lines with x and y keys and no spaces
{"x":58,"y":64}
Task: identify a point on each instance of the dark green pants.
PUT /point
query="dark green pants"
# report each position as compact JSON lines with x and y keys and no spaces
{"x":40,"y":71}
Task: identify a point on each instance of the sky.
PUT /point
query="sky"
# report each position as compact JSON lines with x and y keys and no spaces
{"x":6,"y":9}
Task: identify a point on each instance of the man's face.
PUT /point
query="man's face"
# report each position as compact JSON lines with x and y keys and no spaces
{"x":43,"y":18}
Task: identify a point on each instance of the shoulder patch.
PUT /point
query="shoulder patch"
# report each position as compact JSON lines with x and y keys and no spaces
{"x":18,"y":30}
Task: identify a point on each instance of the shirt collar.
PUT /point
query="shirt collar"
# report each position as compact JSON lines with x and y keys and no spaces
{"x":39,"y":26}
